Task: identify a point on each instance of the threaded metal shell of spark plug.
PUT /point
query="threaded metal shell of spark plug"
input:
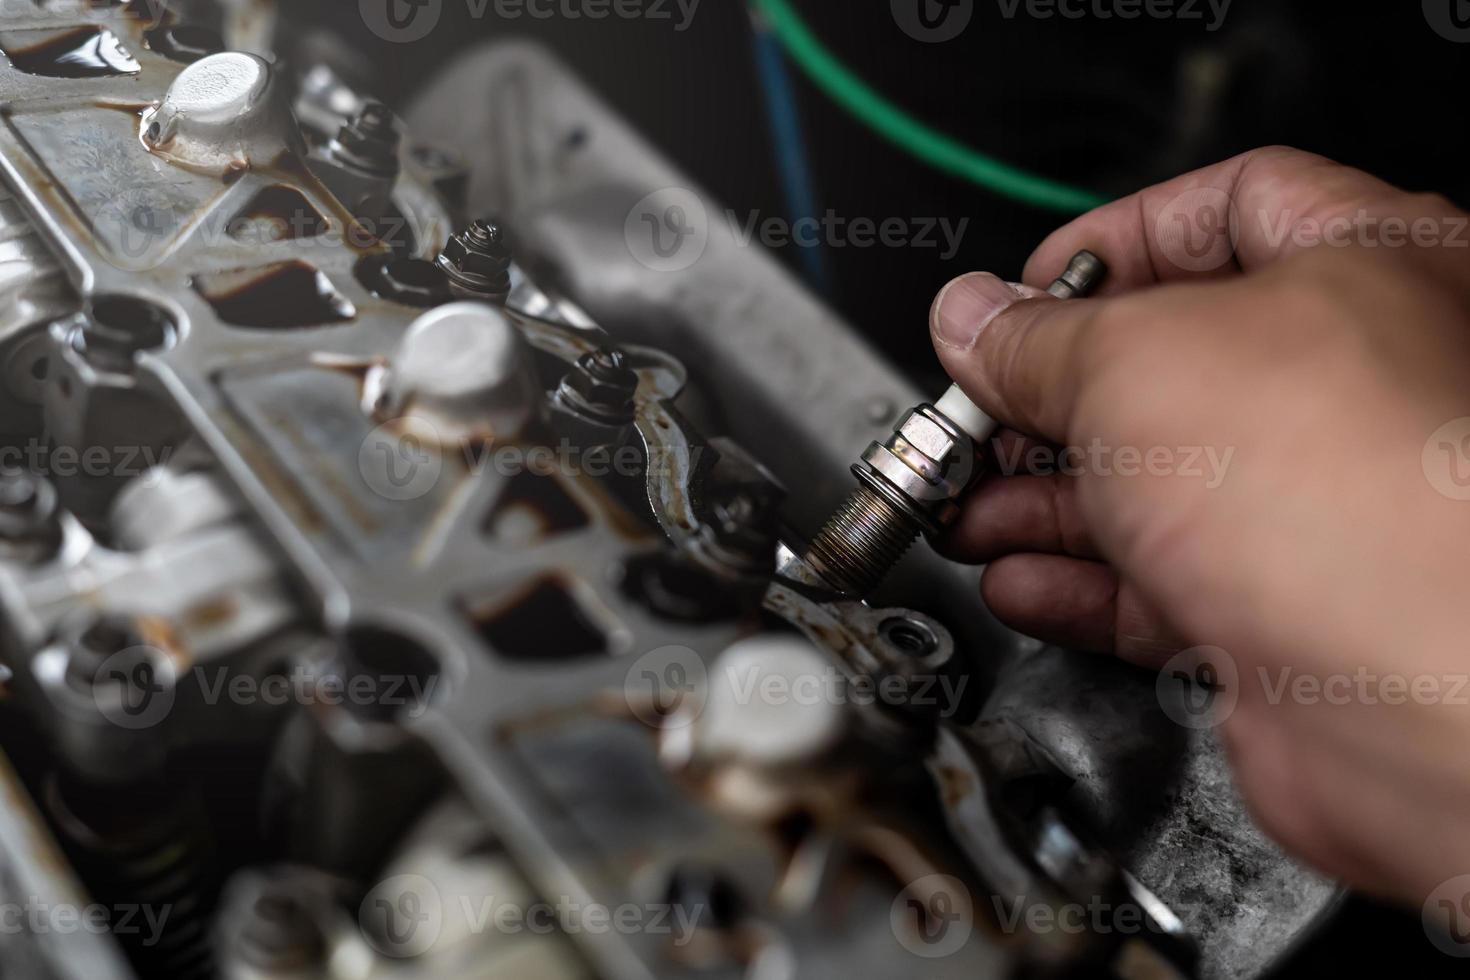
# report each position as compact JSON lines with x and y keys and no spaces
{"x":862,"y":542}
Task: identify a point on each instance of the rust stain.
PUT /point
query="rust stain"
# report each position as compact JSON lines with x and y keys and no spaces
{"x":160,"y":633}
{"x":211,"y":614}
{"x":955,"y":785}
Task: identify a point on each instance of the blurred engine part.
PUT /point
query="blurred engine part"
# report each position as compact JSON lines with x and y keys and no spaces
{"x":390,"y":590}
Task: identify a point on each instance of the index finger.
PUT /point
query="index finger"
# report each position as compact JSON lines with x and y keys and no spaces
{"x":1232,"y":217}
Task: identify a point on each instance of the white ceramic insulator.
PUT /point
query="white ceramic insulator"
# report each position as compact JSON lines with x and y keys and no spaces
{"x":957,"y":407}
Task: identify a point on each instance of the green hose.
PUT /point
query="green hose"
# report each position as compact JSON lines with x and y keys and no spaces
{"x":928,"y":144}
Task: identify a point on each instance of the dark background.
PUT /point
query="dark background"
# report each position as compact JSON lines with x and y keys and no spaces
{"x":1110,"y":105}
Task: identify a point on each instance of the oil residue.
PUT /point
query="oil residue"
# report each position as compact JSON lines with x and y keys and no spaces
{"x":542,"y":623}
{"x":277,"y":213}
{"x":281,"y":296}
{"x":533,"y":508}
{"x":85,"y":52}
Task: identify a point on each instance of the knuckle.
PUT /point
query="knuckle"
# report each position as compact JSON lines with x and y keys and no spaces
{"x":1115,"y":333}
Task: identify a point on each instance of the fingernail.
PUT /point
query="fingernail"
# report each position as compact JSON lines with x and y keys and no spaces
{"x":967,"y":305}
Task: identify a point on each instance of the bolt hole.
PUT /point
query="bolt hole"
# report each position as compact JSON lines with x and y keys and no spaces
{"x":416,"y":273}
{"x":402,"y":674}
{"x":40,"y":368}
{"x":909,"y":636}
{"x":133,"y":323}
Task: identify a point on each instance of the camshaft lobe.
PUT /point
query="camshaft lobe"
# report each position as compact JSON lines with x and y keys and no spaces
{"x":867,"y":536}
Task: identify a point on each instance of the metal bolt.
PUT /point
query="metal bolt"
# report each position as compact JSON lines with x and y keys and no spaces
{"x":602,"y":387}
{"x":281,"y":932}
{"x":894,"y":505}
{"x":369,"y":141}
{"x":17,"y":493}
{"x":477,"y":262}
{"x":741,"y":530}
{"x":29,"y":525}
{"x":91,"y":640}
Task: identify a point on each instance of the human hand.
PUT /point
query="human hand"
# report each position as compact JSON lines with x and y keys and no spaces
{"x":1265,"y":461}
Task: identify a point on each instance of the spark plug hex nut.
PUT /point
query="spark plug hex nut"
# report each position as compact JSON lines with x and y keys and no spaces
{"x":922,"y":468}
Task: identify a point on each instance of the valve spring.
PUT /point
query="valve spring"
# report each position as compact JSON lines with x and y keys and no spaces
{"x":157,"y":864}
{"x":170,"y":875}
{"x":862,"y":542}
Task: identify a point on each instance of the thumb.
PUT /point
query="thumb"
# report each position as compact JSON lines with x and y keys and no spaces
{"x":1014,"y":350}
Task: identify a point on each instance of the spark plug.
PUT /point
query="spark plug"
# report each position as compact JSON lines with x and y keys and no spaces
{"x":910,"y":483}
